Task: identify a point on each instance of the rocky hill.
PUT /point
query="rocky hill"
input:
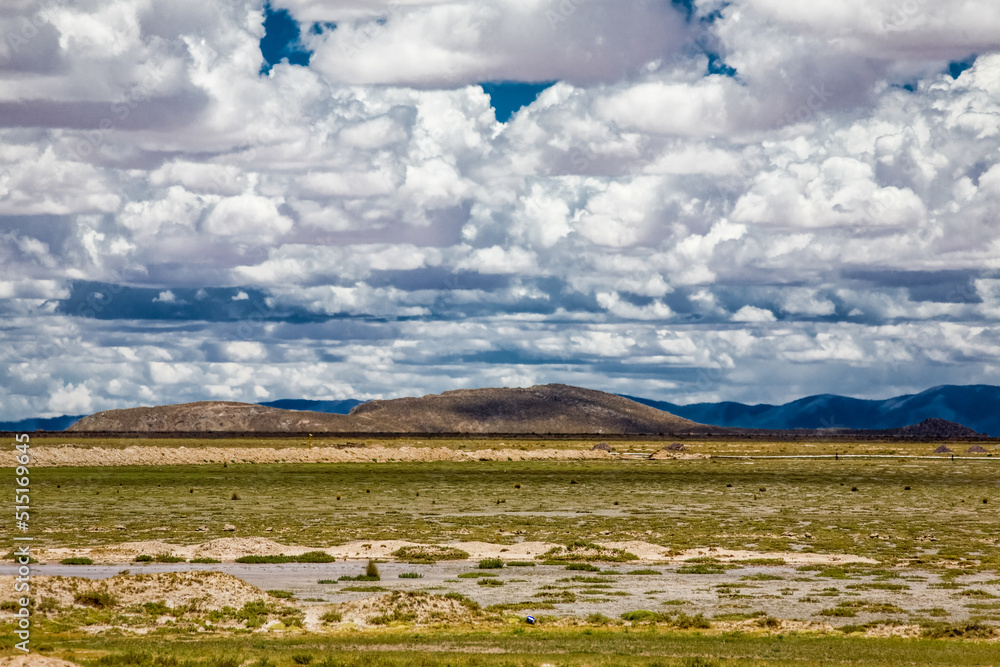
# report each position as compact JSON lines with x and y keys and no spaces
{"x":205,"y":416}
{"x":543,"y":409}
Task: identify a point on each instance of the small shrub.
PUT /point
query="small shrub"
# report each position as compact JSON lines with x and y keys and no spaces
{"x":521,"y":563}
{"x":315,"y":557}
{"x":156,"y":609}
{"x":205,"y":560}
{"x":839,"y":612}
{"x":429,"y":554}
{"x":701,"y":568}
{"x":302,"y":658}
{"x":235,"y":496}
{"x":327,"y":581}
{"x":685,"y":622}
{"x":331,"y":617}
{"x":490,"y":582}
{"x":976,"y":593}
{"x":284,"y":595}
{"x":371,"y":571}
{"x":768,"y":622}
{"x":644,"y":571}
{"x":583,"y":567}
{"x":410,"y":575}
{"x":266,"y":559}
{"x":98,"y":599}
{"x":598,"y":619}
{"x":969,"y":630}
{"x":644,"y":616}
{"x":78,"y":560}
{"x":168,"y":558}
{"x":364,"y":589}
{"x":490,"y":564}
{"x":476,"y":575}
{"x":144,"y":558}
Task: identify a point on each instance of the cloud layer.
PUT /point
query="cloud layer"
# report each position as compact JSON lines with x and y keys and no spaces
{"x":741,"y":200}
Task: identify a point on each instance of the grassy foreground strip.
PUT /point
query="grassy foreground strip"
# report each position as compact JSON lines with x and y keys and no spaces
{"x":845,"y":506}
{"x":517,"y":647}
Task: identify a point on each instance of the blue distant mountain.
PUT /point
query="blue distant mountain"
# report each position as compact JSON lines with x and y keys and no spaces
{"x":40,"y":423}
{"x":975,"y":406}
{"x":330,"y":407}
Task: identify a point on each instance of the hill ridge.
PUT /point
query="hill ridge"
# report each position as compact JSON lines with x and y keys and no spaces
{"x":555,"y":408}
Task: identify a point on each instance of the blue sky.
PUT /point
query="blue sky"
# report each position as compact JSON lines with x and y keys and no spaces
{"x":690,"y":201}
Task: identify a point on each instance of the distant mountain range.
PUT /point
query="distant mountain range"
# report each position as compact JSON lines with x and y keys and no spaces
{"x":975,"y":406}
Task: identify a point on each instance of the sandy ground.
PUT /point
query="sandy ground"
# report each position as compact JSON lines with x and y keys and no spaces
{"x":229,"y":549}
{"x":778,"y":592}
{"x":212,"y":590}
{"x":82,"y":455}
{"x":34,"y":660}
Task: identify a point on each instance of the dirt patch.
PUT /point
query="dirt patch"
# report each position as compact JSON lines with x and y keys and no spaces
{"x":204,"y":590}
{"x":894,"y":631}
{"x":408,"y":607}
{"x":80,"y":455}
{"x":776,"y":626}
{"x":32,"y":660}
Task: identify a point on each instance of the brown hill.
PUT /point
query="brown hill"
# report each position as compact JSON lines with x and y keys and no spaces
{"x":209,"y":416}
{"x":552,"y":408}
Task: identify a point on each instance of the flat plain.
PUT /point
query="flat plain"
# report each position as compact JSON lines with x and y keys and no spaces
{"x":700,"y":560}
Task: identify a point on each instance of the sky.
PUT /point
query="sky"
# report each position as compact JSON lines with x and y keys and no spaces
{"x":687,"y":200}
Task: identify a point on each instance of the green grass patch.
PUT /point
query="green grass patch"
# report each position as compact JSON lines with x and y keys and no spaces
{"x":77,"y":560}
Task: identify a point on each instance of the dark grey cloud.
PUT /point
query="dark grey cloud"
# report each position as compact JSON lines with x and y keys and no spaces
{"x":127,"y":114}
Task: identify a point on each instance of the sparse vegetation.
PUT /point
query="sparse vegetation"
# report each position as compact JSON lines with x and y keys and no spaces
{"x":77,"y":560}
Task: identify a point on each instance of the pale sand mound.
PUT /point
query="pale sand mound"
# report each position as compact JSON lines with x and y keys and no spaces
{"x":228,"y":549}
{"x":32,"y":660}
{"x":206,"y":590}
{"x":224,"y":548}
{"x":369,"y":548}
{"x":407,"y":607}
